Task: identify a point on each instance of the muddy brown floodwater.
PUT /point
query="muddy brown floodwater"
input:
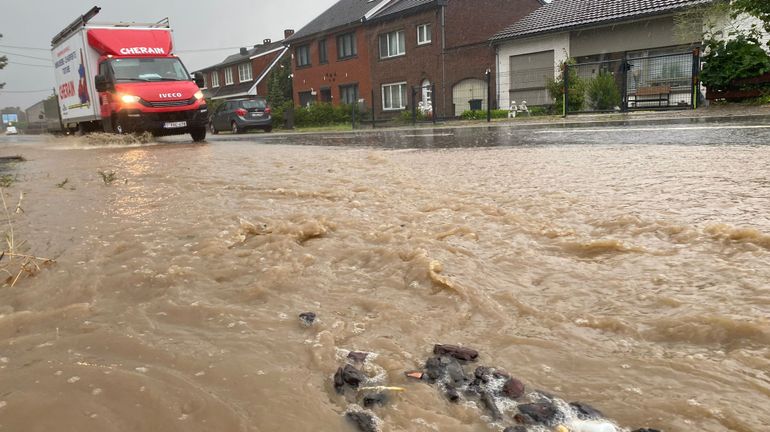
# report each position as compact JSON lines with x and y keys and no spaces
{"x":632,"y":278}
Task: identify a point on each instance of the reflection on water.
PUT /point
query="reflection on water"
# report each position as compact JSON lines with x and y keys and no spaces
{"x":630,"y":277}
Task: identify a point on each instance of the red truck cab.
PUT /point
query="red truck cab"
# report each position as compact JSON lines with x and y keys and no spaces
{"x":142,"y":87}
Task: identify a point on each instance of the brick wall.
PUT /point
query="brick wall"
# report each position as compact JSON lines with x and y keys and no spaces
{"x":335,"y":72}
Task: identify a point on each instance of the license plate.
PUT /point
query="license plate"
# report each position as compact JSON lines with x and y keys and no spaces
{"x":175,"y":125}
{"x":256,"y":114}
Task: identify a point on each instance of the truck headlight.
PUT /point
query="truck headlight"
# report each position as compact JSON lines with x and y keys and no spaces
{"x":198,"y":95}
{"x":129,"y":99}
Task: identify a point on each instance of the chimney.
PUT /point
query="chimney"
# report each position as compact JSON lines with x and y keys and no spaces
{"x":266,"y":42}
{"x":244,"y":51}
{"x":287,"y":33}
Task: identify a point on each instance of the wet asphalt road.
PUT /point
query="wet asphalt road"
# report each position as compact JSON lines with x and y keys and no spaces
{"x":505,"y":136}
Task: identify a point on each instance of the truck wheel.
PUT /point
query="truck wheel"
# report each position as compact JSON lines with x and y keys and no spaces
{"x":235,"y":128}
{"x":198,"y":134}
{"x":213,"y":128}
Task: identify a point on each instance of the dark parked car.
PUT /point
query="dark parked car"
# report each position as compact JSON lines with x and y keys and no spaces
{"x":240,"y":115}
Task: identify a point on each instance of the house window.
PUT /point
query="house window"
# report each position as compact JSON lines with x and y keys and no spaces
{"x":423,"y":34}
{"x":244,"y":72}
{"x":205,"y":81}
{"x":228,"y":76}
{"x":346,"y":46}
{"x":303,"y":55}
{"x":306,"y":98}
{"x":322,"y":55}
{"x":394,"y":96}
{"x":349,"y":94}
{"x":392,"y":44}
{"x":214,"y":79}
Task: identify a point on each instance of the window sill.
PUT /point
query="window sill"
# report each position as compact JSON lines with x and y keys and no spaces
{"x":307,"y":66}
{"x":347,"y":58}
{"x":425,"y":43}
{"x":394,"y":109}
{"x":392,"y":57}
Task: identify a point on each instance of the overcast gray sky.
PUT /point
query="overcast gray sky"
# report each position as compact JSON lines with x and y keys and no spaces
{"x":197,"y":25}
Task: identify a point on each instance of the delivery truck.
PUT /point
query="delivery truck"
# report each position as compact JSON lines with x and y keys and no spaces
{"x":124,"y":78}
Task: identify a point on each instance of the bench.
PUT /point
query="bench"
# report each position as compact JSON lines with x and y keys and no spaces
{"x":659,"y":94}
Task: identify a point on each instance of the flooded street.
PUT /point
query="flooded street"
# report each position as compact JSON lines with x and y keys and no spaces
{"x":627,"y":269}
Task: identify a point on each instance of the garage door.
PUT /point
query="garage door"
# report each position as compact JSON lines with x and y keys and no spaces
{"x":529,"y":75}
{"x":469,"y":93}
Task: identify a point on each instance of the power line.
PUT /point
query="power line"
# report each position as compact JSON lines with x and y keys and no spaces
{"x":25,"y":56}
{"x":26,"y":48}
{"x":25,"y":91}
{"x":32,"y":65}
{"x":208,"y":49}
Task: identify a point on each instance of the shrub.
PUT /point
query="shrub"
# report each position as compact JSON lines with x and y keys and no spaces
{"x":323,"y":114}
{"x":577,"y":89}
{"x":603,"y":92}
{"x":726,"y":61}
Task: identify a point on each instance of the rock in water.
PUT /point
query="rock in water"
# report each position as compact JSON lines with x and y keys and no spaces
{"x":513,"y":388}
{"x":515,"y":429}
{"x":348,"y":375}
{"x":364,"y":421}
{"x":489,"y":403}
{"x":537,"y":413}
{"x":358,"y":357}
{"x":585,"y":411}
{"x":452,"y":394}
{"x":307,"y":318}
{"x":373,"y":399}
{"x":460,"y":353}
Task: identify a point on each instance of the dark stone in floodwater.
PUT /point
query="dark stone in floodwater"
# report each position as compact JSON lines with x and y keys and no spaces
{"x":435,"y":368}
{"x":456,"y":373}
{"x":473,"y":389}
{"x":485,"y":374}
{"x":513,"y":388}
{"x":489,"y":403}
{"x":364,"y":421}
{"x":347,"y":375}
{"x":452,"y":394}
{"x":358,"y":357}
{"x":537,"y":413}
{"x":373,"y":399}
{"x":460,"y":353}
{"x":307,"y":318}
{"x":515,"y":429}
{"x":586,"y":412}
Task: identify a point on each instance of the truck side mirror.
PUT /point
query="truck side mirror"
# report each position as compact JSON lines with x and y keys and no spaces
{"x":198,"y":79}
{"x":102,"y":83}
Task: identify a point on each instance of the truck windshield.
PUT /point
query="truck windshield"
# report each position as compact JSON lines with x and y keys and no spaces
{"x":148,"y":69}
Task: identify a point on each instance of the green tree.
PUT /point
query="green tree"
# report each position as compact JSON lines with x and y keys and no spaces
{"x":3,"y":62}
{"x":577,"y":88}
{"x":279,"y":90}
{"x":757,"y":8}
{"x":603,"y":92}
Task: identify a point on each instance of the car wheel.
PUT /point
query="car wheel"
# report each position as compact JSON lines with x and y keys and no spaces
{"x":235,"y":129}
{"x":268,"y":129}
{"x":213,"y":128}
{"x":198,"y":134}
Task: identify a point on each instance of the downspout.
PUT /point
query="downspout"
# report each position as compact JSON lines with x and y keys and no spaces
{"x":443,"y":60}
{"x":497,"y":76}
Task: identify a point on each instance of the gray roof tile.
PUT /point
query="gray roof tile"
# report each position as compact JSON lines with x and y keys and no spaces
{"x":561,"y":15}
{"x":342,"y":13}
{"x":401,"y":6}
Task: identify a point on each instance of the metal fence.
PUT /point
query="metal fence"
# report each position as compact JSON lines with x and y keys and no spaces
{"x":630,"y":83}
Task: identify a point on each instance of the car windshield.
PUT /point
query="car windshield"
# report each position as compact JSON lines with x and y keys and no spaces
{"x":149,"y":69}
{"x":253,"y":103}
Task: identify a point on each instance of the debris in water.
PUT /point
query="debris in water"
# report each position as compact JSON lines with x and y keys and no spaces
{"x":414,"y":375}
{"x":384,"y":388}
{"x":460,"y":353}
{"x":357,"y":356}
{"x":592,"y":426}
{"x":348,"y":375}
{"x":373,"y":399}
{"x":363,"y":420}
{"x":307,"y":318}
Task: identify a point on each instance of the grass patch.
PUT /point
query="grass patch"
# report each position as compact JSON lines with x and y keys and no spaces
{"x":12,"y":262}
{"x":108,"y":176}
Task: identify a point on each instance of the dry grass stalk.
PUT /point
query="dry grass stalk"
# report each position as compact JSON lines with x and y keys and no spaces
{"x":17,"y":263}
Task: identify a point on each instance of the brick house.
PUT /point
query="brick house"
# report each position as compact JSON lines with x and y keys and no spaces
{"x":331,"y":57}
{"x":423,"y":45}
{"x":379,"y":50}
{"x":244,"y":73}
